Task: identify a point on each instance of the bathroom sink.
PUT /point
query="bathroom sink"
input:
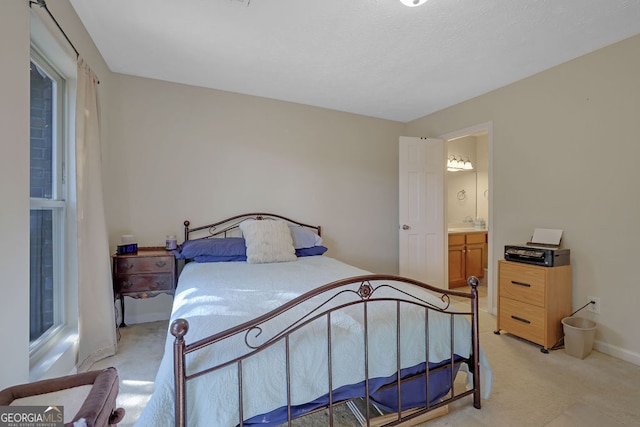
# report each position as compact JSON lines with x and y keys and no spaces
{"x":464,"y":229}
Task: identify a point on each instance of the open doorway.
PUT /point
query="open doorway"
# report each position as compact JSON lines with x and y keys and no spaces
{"x":468,"y":208}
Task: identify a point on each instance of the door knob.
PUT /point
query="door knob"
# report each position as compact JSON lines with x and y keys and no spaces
{"x":405,"y":227}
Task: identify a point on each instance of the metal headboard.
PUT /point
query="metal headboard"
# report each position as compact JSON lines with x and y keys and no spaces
{"x":222,"y":228}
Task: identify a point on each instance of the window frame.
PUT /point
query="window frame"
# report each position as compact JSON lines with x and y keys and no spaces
{"x":57,"y":203}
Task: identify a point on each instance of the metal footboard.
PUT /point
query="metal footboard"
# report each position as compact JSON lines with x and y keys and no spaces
{"x":361,"y":291}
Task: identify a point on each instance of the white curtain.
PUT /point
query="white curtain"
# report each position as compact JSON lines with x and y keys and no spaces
{"x":96,"y":325}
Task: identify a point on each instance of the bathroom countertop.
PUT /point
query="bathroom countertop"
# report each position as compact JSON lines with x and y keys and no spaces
{"x":466,"y":230}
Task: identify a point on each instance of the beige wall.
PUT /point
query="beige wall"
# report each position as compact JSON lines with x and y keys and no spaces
{"x":180,"y":152}
{"x":565,"y":153}
{"x":14,"y":175}
{"x":14,"y":192}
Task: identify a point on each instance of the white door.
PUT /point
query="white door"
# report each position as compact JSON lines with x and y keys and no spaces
{"x":422,"y":222}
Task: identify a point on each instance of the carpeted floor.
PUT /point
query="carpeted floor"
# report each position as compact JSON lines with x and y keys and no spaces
{"x":530,"y":388}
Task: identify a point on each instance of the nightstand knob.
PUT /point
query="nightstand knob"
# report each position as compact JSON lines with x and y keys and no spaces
{"x":160,"y":263}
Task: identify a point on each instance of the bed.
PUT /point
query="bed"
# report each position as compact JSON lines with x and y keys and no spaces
{"x":263,"y":339}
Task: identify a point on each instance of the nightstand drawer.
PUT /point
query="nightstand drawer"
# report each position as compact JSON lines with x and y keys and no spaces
{"x":523,"y":284}
{"x":139,"y":264}
{"x":144,"y":282}
{"x":523,"y":320}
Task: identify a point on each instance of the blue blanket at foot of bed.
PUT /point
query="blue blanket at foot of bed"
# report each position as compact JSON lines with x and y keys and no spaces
{"x":385,"y":398}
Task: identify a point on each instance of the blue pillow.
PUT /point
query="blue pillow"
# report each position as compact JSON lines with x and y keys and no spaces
{"x":213,"y":247}
{"x":314,"y":250}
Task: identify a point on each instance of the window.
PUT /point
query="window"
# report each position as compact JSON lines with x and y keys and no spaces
{"x":48,"y":201}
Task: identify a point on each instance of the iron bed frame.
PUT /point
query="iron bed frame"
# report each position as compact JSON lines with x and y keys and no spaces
{"x":360,"y":291}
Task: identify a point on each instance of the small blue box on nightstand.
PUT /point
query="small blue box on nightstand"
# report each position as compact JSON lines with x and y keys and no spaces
{"x":130,"y":248}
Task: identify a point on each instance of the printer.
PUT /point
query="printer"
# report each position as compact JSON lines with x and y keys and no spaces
{"x":543,"y":249}
{"x":537,"y":255}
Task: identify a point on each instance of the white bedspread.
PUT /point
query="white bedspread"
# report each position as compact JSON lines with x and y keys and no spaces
{"x":216,"y":296}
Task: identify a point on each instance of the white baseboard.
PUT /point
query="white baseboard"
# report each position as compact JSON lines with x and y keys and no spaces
{"x":146,"y":318}
{"x":617,"y":352}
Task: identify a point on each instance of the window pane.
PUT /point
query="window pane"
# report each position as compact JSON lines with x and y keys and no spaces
{"x":42,"y":128}
{"x":42,"y":273}
{"x":47,"y":201}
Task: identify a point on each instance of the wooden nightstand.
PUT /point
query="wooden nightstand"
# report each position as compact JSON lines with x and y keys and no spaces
{"x":150,"y":272}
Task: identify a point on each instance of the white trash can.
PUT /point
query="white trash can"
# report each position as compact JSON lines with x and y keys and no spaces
{"x":578,"y":336}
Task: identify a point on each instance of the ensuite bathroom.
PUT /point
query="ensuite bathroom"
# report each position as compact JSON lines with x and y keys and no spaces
{"x":467,"y":207}
{"x":468,"y":183}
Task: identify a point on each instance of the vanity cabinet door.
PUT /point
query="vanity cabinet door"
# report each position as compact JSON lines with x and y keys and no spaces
{"x":456,"y":266}
{"x":466,"y":257}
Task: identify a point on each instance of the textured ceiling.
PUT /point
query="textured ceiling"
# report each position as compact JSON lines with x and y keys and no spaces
{"x":372,"y":57}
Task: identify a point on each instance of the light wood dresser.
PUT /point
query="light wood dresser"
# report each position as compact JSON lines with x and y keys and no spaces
{"x":532,"y":301}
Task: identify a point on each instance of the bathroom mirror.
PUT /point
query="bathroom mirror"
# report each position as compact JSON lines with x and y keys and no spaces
{"x":467,"y":190}
{"x":462,"y":198}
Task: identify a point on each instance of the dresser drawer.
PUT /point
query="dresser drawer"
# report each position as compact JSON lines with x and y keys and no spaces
{"x":145,"y":282}
{"x":523,"y":283}
{"x":523,"y":320}
{"x":143,"y":264}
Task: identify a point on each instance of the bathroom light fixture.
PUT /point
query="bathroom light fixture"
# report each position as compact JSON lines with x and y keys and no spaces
{"x":454,"y":164}
{"x":413,"y":3}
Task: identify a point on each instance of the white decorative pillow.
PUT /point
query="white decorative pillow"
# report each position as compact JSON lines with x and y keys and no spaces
{"x":268,"y":241}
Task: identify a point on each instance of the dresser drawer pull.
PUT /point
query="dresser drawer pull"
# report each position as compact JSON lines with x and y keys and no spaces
{"x":161,"y":263}
{"x":520,"y":319}
{"x":127,"y":266}
{"x":526,"y":285}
